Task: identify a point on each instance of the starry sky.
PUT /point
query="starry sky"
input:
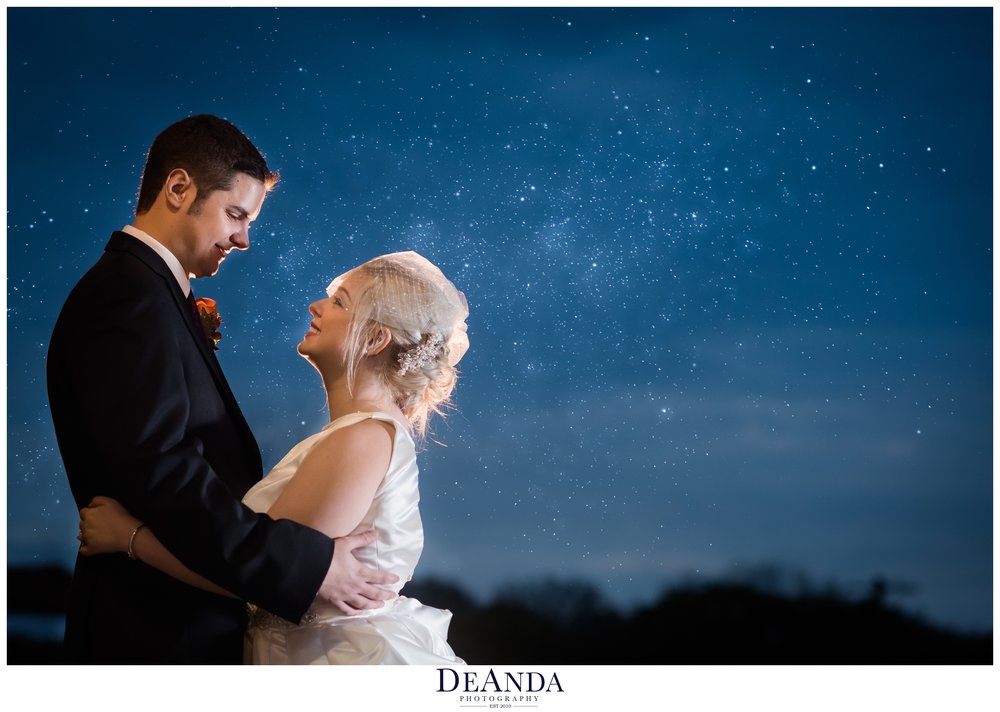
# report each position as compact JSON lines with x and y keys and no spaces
{"x":729,"y":270}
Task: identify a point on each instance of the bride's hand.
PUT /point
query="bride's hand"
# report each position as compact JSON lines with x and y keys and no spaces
{"x":105,"y":527}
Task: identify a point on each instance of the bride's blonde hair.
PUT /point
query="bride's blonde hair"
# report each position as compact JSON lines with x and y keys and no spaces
{"x":425,"y":316}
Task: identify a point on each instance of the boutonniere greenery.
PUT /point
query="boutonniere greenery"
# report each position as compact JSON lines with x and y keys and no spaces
{"x":210,"y":320}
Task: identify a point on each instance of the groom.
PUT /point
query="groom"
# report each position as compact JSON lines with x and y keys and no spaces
{"x":143,"y":413}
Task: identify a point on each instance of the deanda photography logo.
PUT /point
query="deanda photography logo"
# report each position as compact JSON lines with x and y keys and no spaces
{"x":497,"y":689}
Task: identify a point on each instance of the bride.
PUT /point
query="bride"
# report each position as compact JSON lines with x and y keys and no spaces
{"x":385,"y":341}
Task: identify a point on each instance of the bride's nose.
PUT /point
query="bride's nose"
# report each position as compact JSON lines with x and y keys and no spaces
{"x":314,"y":307}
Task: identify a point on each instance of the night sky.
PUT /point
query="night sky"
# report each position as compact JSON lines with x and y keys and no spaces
{"x":729,"y":270}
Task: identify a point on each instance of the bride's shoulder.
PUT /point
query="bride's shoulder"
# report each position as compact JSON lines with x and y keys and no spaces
{"x":360,"y":450}
{"x":393,"y":423}
{"x":358,"y":432}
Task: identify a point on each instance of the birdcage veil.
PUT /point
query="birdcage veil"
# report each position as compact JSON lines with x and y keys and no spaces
{"x":407,"y":293}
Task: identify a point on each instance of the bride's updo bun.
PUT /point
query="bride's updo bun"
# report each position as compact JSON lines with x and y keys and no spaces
{"x":425,"y":315}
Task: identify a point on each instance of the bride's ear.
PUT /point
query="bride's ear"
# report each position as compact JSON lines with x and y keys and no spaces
{"x":378,"y":341}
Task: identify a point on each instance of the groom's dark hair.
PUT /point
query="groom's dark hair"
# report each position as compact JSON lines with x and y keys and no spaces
{"x":210,"y":149}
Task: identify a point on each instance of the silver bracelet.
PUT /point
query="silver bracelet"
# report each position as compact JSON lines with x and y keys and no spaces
{"x":131,"y":540}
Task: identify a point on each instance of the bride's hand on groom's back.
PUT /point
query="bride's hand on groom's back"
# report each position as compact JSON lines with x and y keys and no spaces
{"x":350,"y":585}
{"x":105,"y":527}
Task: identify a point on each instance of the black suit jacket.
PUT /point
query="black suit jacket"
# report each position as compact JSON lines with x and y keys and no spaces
{"x":143,"y":414}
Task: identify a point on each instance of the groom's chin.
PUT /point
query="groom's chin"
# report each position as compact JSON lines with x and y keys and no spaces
{"x":208,"y":271}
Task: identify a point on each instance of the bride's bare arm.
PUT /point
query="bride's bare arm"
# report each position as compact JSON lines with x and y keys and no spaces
{"x":106,"y":527}
{"x":332,"y":491}
{"x":336,"y":482}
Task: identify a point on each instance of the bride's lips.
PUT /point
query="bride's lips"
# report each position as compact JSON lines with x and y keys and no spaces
{"x":313,"y":329}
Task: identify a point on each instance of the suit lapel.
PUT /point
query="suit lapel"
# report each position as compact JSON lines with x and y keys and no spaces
{"x":123,"y":242}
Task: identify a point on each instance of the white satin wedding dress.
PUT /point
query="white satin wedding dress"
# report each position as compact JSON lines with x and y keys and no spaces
{"x":404,"y":631}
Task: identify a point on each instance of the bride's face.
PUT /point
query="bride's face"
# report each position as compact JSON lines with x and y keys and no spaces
{"x":325,"y":343}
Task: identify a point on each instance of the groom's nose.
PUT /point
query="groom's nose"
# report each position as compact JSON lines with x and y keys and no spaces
{"x":240,"y":239}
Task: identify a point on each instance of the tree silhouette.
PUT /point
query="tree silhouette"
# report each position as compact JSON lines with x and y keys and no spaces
{"x":766,"y":616}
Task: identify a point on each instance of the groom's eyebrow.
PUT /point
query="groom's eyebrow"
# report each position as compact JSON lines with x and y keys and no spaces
{"x":240,"y":212}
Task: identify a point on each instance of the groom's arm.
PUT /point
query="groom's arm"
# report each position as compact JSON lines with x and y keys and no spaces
{"x":131,"y":378}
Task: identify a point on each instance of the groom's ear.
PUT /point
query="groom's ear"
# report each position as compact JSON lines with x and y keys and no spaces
{"x":378,"y":341}
{"x":178,"y":188}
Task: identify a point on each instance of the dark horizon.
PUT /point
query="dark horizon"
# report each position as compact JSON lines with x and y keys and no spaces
{"x":766,"y":617}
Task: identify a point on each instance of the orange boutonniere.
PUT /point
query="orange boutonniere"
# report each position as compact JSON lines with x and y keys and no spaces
{"x":210,"y":320}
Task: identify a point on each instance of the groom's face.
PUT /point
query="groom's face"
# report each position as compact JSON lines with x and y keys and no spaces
{"x":218,"y":224}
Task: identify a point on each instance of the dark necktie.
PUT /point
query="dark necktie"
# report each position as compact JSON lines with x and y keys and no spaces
{"x":194,"y":307}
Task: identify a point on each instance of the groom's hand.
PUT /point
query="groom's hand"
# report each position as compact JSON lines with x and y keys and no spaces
{"x":350,"y":585}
